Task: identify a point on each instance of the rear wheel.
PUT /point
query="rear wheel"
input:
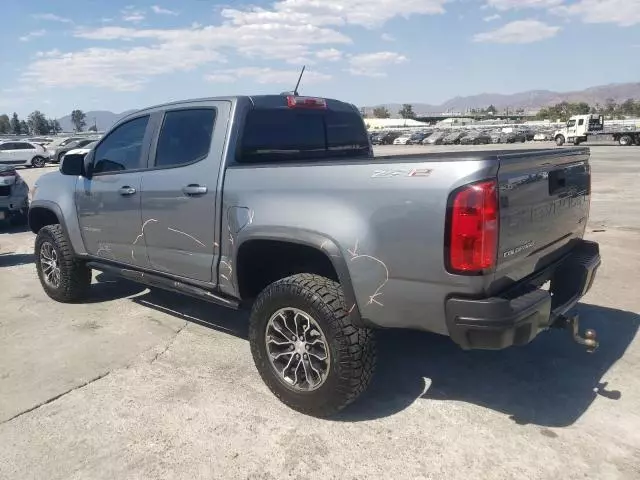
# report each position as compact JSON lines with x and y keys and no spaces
{"x":38,"y":162}
{"x":560,"y":140}
{"x":62,"y":276}
{"x":625,"y":140}
{"x":305,"y":347}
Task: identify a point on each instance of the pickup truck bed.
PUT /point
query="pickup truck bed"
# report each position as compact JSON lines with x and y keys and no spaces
{"x":276,"y":203}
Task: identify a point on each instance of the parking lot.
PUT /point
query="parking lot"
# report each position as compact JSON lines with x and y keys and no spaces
{"x":140,"y":383}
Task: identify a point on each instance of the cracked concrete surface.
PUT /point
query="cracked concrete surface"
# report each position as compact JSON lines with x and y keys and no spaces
{"x":146,"y":384}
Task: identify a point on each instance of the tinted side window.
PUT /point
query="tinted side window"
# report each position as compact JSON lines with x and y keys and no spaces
{"x":23,"y":146}
{"x":6,"y":146}
{"x":286,"y":134}
{"x":581,"y":121}
{"x":121,"y":149}
{"x":185,"y":136}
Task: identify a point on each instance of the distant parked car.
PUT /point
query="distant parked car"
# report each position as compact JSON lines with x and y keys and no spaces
{"x":514,"y":137}
{"x":497,"y":136}
{"x":82,"y":151}
{"x":434,"y":139}
{"x":542,"y":137}
{"x":14,"y":196}
{"x":416,"y":138}
{"x":388,"y":138}
{"x":453,"y":138}
{"x":23,"y":153}
{"x":402,"y":139}
{"x":476,"y":138}
{"x":59,"y":152}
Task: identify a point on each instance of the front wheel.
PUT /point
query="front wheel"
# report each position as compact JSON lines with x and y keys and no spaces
{"x":63,"y":277}
{"x":305,"y":347}
{"x":560,"y":140}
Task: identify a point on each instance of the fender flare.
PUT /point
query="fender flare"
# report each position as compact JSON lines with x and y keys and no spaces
{"x":320,"y":242}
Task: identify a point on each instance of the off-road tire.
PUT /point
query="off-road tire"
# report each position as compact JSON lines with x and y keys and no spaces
{"x":75,"y":276}
{"x":352,"y":349}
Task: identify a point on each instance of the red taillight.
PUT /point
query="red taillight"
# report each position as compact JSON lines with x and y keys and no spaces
{"x":306,"y":102}
{"x":473,"y":228}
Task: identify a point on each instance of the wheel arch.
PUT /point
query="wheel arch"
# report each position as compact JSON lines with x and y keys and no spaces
{"x":325,"y":247}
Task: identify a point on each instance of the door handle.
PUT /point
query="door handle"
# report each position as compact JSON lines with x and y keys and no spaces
{"x":194,"y":189}
{"x":126,"y":191}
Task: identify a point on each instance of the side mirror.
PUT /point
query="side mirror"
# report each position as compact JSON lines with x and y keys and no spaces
{"x":88,"y":165}
{"x":72,"y":165}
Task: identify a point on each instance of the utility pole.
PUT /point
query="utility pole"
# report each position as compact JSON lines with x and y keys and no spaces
{"x":95,"y":125}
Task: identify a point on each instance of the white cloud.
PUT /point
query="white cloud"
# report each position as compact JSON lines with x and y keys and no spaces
{"x":51,"y":17}
{"x":388,"y":38}
{"x":292,"y":31}
{"x":374,"y":64}
{"x":521,"y":4}
{"x":34,"y":34}
{"x":122,"y":70}
{"x":625,"y":13}
{"x":330,"y":54}
{"x":491,"y":18}
{"x":131,"y":14}
{"x":367,"y":13}
{"x":520,"y":31}
{"x":266,"y":75}
{"x":162,"y":11}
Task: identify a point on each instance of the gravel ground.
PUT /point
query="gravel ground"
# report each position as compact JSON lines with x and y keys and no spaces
{"x":146,"y":384}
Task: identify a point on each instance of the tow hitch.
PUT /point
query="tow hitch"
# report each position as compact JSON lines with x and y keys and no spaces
{"x":588,"y":340}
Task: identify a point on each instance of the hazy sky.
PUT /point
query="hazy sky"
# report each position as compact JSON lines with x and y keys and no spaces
{"x":117,"y":55}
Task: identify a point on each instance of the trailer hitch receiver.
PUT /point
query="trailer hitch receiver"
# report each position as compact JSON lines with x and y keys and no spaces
{"x":588,"y":340}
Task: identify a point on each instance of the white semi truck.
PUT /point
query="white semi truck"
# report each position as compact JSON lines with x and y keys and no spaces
{"x":581,"y":128}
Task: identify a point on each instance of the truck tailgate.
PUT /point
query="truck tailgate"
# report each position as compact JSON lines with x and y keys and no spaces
{"x":544,"y":208}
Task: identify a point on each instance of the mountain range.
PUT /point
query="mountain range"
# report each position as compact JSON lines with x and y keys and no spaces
{"x":530,"y":101}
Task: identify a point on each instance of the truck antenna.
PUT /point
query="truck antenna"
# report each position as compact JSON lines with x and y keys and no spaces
{"x":295,"y":90}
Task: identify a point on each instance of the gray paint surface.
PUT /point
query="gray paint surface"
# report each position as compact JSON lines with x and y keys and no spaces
{"x":384,"y":218}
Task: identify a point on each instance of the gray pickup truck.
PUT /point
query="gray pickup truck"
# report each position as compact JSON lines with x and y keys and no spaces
{"x":276,"y":203}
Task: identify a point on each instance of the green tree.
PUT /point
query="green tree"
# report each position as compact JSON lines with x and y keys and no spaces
{"x":5,"y":124}
{"x":15,"y":124}
{"x":54,"y":126}
{"x":407,"y":111}
{"x":381,"y":112}
{"x":38,"y":123}
{"x":24,"y":127}
{"x":92,"y":128}
{"x":78,"y":118}
{"x":491,"y":109}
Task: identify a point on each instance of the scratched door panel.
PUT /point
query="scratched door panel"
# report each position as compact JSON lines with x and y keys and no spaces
{"x":179,"y":192}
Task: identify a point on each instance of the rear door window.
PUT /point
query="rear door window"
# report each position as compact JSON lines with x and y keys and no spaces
{"x":185,"y":136}
{"x":276,"y":135}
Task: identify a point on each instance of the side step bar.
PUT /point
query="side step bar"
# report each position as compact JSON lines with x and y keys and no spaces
{"x":153,"y":280}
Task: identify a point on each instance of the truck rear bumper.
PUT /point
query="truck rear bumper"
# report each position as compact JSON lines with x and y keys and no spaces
{"x":517,"y":316}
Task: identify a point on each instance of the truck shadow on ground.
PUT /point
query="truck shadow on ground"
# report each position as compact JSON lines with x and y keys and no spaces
{"x":550,"y":382}
{"x":15,"y":259}
{"x":196,"y":311}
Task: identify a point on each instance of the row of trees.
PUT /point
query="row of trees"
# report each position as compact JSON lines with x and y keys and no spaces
{"x":562,"y":111}
{"x":405,"y":112}
{"x":611,"y":109}
{"x":38,"y":124}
